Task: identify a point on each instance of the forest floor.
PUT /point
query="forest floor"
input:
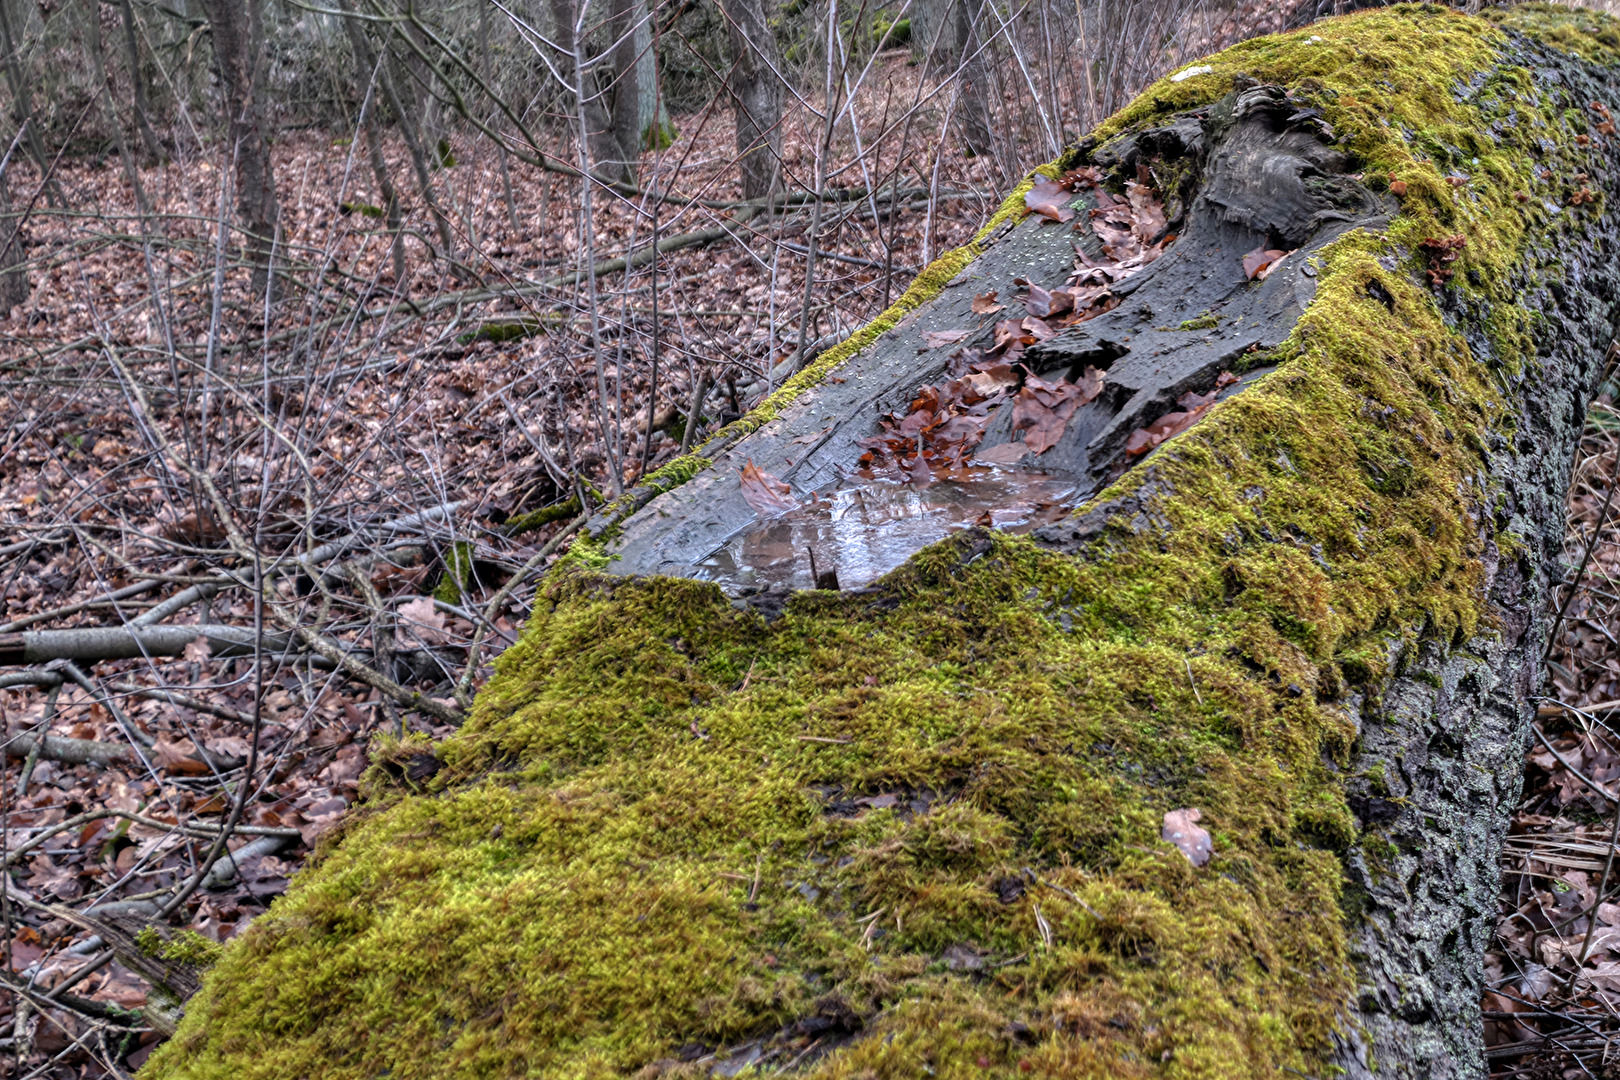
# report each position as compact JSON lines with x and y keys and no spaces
{"x":1554,"y":1006}
{"x":360,"y":398}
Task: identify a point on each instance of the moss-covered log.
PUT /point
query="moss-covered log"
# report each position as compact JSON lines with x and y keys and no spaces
{"x":915,"y":829}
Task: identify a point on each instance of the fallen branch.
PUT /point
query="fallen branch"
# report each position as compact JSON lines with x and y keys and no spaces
{"x":108,"y":600}
{"x":320,"y":554}
{"x":94,"y":643}
{"x":69,"y":751}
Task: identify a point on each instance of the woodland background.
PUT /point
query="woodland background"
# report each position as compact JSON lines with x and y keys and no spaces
{"x":323,"y":325}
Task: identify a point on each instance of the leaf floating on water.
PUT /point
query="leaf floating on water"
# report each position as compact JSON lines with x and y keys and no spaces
{"x":1049,"y":198}
{"x":933,"y":339}
{"x":1182,"y":830}
{"x":1005,"y":454}
{"x":765,"y":493}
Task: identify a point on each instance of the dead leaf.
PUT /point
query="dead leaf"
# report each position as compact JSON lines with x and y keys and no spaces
{"x":985,"y":303}
{"x":179,"y":756}
{"x":196,"y":649}
{"x":1193,"y":408}
{"x":1147,"y":212}
{"x":1397,"y":188}
{"x":1037,"y":329}
{"x":985,"y":385}
{"x":229,"y":746}
{"x":933,"y":339}
{"x":960,"y":957}
{"x":1090,"y":384}
{"x":765,"y":493}
{"x":919,"y":473}
{"x":1265,"y":271}
{"x":1182,"y":830}
{"x":1256,"y":262}
{"x":424,"y":620}
{"x":1049,"y":199}
{"x":1043,"y":304}
{"x":1042,"y":409}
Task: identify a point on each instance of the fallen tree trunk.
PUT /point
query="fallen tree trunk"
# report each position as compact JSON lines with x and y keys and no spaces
{"x":944,"y":823}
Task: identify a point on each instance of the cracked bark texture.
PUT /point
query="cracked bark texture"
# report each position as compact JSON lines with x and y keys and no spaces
{"x":1452,"y":728}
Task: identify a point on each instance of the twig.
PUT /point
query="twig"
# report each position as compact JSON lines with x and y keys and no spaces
{"x":1586,"y":558}
{"x":1565,"y":762}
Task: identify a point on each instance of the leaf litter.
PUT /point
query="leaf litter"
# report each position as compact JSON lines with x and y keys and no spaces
{"x":939,"y":431}
{"x":1551,"y":1000}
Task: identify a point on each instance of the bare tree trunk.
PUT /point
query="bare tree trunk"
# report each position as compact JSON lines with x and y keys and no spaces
{"x":592,"y":84}
{"x":756,"y":91}
{"x":22,"y":108}
{"x":402,"y":103}
{"x":13,"y":255}
{"x":640,"y":121}
{"x":374,"y":149}
{"x":137,"y":79}
{"x":238,"y":45}
{"x":500,"y":147}
{"x":973,"y":103}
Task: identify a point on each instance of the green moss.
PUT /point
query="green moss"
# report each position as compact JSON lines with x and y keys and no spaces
{"x":659,"y":135}
{"x":1205,"y":321}
{"x":500,"y":330}
{"x":542,"y":517}
{"x":1591,"y":35}
{"x":183,"y":947}
{"x":670,"y":823}
{"x":458,"y":568}
{"x":888,"y":34}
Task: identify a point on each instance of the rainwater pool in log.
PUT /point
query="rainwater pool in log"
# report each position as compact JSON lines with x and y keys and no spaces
{"x":862,"y":529}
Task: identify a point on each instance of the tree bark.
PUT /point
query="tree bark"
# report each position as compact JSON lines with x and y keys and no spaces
{"x":973,"y":101}
{"x":137,"y":80}
{"x":238,"y":48}
{"x":756,"y":92}
{"x":14,"y":287}
{"x":639,"y":120}
{"x":374,"y":143}
{"x":940,"y":822}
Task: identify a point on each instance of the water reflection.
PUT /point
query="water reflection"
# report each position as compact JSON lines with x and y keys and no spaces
{"x":863,"y":528}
